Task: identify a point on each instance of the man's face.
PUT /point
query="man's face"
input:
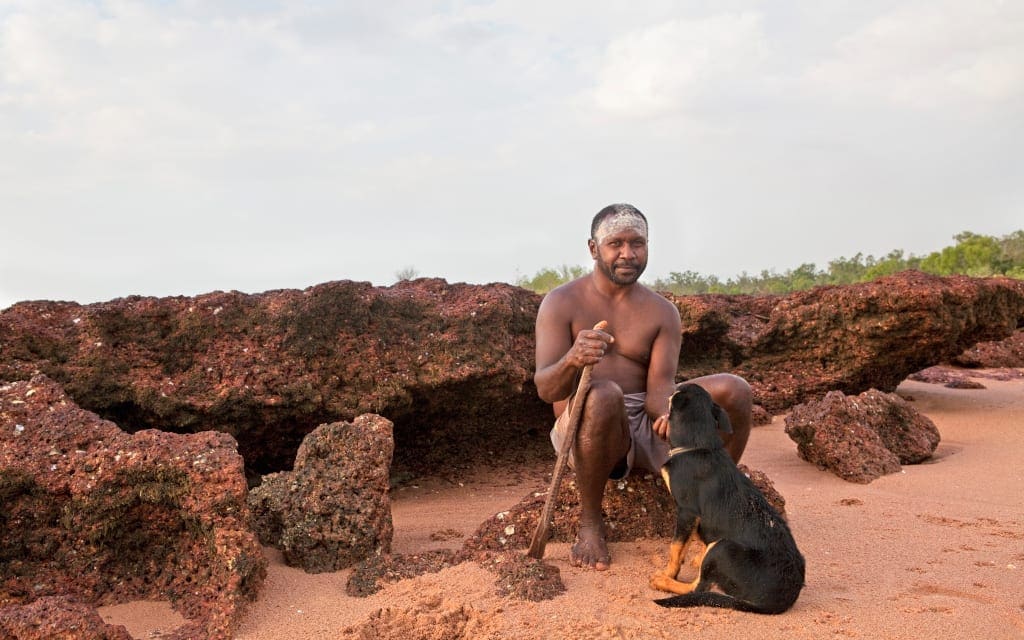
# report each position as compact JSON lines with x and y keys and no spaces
{"x":622,"y":254}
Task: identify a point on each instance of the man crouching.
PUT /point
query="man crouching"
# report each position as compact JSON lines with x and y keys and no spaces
{"x":625,"y":414}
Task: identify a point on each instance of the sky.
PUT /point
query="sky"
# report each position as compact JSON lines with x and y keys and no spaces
{"x":178,"y":147}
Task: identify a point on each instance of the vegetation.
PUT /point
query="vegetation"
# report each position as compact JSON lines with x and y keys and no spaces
{"x":547,"y":279}
{"x":406,"y":273}
{"x":972,"y":255}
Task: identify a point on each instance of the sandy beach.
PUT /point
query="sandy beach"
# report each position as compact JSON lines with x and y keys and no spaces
{"x":934,"y":551}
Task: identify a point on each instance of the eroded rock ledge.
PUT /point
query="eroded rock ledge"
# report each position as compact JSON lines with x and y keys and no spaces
{"x":451,"y":365}
{"x":92,"y":514}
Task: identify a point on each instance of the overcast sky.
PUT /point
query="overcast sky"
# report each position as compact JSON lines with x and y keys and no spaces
{"x":181,"y":147}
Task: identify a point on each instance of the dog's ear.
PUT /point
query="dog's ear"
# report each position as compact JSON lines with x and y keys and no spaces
{"x":722,"y":418}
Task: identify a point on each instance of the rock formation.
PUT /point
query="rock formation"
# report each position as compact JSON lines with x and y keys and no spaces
{"x":994,"y":354}
{"x":91,"y":512}
{"x":451,"y":365}
{"x":852,"y":338}
{"x":861,"y":438}
{"x":444,"y":362}
{"x":52,"y":617}
{"x":332,"y":510}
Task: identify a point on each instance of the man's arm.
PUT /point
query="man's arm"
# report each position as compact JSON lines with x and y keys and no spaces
{"x":661,"y":375}
{"x":559,"y":357}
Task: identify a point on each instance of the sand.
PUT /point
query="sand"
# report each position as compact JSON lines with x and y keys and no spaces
{"x":934,"y":551}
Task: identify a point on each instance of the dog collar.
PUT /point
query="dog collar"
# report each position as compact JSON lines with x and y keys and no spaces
{"x":680,"y":450}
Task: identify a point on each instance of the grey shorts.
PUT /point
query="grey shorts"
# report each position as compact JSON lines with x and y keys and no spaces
{"x":646,"y":450}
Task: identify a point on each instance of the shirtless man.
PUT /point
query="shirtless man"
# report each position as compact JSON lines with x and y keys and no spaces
{"x":625,"y":414}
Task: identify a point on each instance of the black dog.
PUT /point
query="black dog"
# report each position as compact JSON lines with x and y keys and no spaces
{"x":750,"y":554}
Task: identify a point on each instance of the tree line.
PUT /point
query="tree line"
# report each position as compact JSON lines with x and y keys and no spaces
{"x":973,"y":255}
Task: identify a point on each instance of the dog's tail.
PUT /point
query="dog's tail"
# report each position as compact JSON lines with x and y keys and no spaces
{"x":710,"y":599}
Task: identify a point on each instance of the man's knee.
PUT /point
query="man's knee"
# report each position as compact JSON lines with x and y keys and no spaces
{"x":734,"y":395}
{"x":604,"y":414}
{"x":604,"y":402}
{"x":729,"y":391}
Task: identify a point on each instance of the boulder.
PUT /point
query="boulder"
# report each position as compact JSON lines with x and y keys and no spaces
{"x":333,"y":510}
{"x":861,"y":438}
{"x":761,"y":480}
{"x":957,"y":378}
{"x":637,"y":507}
{"x":91,"y":512}
{"x":759,"y":416}
{"x":52,"y":617}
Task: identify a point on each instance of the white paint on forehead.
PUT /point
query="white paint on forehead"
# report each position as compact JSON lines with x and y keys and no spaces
{"x":619,"y":222}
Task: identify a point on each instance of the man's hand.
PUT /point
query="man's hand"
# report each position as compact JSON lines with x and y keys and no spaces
{"x":660,"y":427}
{"x":589,"y":348}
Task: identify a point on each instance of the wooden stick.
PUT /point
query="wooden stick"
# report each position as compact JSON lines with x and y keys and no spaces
{"x":540,"y":536}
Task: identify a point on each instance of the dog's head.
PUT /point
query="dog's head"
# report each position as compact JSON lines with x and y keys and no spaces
{"x":695,"y":420}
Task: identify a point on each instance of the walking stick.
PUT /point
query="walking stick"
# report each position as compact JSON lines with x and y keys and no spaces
{"x":540,"y":536}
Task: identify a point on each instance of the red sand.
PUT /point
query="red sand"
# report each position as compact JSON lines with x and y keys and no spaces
{"x":934,"y":551}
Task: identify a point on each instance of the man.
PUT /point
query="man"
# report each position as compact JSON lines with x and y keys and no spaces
{"x":625,"y":415}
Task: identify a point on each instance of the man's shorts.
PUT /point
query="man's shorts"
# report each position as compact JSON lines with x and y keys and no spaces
{"x":646,"y":450}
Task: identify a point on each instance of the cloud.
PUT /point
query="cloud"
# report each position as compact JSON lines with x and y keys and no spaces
{"x":181,"y":146}
{"x":929,"y":55}
{"x":671,"y":66}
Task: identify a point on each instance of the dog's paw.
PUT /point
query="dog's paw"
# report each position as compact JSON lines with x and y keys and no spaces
{"x":661,"y":580}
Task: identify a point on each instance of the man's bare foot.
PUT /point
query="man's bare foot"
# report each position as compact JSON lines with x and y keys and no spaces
{"x":590,"y":549}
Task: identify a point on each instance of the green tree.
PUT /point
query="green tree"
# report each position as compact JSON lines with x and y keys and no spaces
{"x":803,"y":277}
{"x":683,"y":283}
{"x":973,"y":255}
{"x":893,"y":262}
{"x":846,"y":271}
{"x":1012,"y":249}
{"x":547,"y":279}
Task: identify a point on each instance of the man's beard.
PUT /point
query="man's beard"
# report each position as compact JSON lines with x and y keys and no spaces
{"x":619,"y":278}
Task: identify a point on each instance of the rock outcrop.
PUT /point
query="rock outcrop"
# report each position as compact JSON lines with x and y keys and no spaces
{"x":444,"y":362}
{"x":333,"y":509}
{"x":861,"y":438}
{"x":851,"y":338}
{"x":52,"y":617}
{"x":451,"y":365}
{"x":997,"y":354}
{"x":91,"y":512}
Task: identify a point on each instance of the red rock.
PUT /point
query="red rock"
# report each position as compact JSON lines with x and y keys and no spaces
{"x":994,"y":354}
{"x":861,"y":438}
{"x":765,"y":485}
{"x":375,"y":572}
{"x":95,"y":513}
{"x":936,"y":375}
{"x":956,"y":378}
{"x":638,"y":507}
{"x":444,"y":362}
{"x":760,"y":416}
{"x":53,"y":617}
{"x":964,"y":384}
{"x":333,"y":509}
{"x":451,"y":365}
{"x":524,"y":578}
{"x":852,"y":338}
